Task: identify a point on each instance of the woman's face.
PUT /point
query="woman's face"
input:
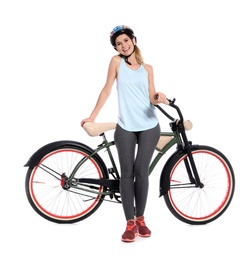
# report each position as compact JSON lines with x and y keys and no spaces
{"x":124,"y":44}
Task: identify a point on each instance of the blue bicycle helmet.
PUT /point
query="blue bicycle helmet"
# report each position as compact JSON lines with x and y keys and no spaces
{"x":118,"y":30}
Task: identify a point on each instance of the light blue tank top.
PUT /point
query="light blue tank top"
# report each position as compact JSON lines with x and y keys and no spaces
{"x":136,"y":113}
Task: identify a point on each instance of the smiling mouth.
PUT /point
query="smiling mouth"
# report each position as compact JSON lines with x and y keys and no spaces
{"x":126,"y":50}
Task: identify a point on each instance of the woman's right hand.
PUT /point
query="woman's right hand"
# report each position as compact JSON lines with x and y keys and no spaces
{"x":86,"y":120}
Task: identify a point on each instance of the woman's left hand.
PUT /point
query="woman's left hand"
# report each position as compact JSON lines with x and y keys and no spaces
{"x":161,"y":97}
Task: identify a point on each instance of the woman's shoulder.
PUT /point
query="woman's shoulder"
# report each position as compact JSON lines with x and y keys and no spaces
{"x":116,"y":59}
{"x":114,"y":64}
{"x":148,"y":67}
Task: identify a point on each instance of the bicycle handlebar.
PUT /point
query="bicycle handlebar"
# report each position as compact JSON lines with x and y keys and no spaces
{"x":169,"y":103}
{"x":187,"y":124}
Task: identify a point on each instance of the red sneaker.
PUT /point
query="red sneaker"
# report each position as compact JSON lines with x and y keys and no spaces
{"x":143,"y":231}
{"x":131,"y":232}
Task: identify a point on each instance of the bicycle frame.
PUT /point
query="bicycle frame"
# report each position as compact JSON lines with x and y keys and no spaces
{"x":173,"y":138}
{"x":113,"y":184}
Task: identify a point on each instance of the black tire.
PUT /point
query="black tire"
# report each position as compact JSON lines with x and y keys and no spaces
{"x":194,"y":205}
{"x":46,"y":190}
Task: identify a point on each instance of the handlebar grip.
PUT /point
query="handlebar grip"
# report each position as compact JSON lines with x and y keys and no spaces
{"x":188,"y":125}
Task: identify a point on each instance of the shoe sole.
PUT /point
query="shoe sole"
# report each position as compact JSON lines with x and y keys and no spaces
{"x":148,"y":235}
{"x":129,"y":240}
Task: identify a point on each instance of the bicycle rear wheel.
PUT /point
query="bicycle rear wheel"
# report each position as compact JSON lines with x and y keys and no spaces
{"x":195,"y":205}
{"x":54,"y":197}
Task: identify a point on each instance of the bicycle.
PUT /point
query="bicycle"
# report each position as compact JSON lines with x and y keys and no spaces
{"x":67,"y":181}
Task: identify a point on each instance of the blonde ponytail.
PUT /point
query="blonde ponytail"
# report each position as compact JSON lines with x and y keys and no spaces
{"x":139,"y":56}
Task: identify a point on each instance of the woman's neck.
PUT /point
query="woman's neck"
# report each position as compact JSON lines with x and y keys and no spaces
{"x":133,"y":61}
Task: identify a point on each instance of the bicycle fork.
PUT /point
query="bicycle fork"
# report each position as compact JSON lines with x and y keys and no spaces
{"x":190,"y":164}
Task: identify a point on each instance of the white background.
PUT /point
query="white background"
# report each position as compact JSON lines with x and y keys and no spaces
{"x":54,"y":59}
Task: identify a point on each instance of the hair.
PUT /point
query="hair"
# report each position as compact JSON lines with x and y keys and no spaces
{"x":139,"y":56}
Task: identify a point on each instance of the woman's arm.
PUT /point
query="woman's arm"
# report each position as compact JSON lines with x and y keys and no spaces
{"x":152,"y":90}
{"x":105,"y":92}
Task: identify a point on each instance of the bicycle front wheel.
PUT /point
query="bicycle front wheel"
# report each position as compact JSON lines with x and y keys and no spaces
{"x":53,"y":196}
{"x":200,"y":205}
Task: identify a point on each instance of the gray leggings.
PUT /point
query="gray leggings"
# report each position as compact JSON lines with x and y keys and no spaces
{"x":134,"y":182}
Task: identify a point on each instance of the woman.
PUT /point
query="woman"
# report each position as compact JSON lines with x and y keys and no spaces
{"x":137,"y":126}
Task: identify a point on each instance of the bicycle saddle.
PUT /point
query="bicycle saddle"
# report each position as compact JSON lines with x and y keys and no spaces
{"x":95,"y":129}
